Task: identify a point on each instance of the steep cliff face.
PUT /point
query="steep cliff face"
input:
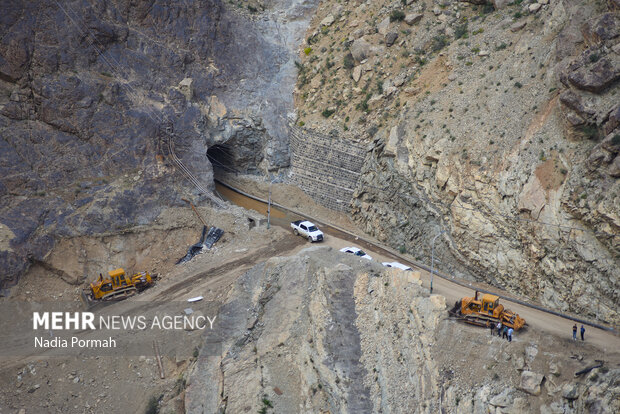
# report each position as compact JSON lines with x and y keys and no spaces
{"x":497,"y":123}
{"x":90,"y":93}
{"x":326,"y":332}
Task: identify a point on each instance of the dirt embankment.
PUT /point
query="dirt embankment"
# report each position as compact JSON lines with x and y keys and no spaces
{"x":330,"y":332}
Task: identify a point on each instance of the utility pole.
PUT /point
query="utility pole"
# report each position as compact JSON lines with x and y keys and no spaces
{"x":276,"y":179}
{"x":433,"y":257}
{"x":269,"y":205}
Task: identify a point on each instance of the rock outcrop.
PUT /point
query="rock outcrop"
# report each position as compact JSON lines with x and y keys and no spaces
{"x":326,"y":332}
{"x":86,"y":112}
{"x":503,"y":133}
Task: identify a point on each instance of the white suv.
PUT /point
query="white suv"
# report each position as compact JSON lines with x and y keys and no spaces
{"x":356,"y":251}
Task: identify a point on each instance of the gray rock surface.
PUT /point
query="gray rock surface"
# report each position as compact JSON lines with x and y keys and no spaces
{"x":530,"y":382}
{"x":84,"y":110}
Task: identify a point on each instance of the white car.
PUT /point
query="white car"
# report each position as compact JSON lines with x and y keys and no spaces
{"x":308,"y":230}
{"x":356,"y":251}
{"x":397,"y":265}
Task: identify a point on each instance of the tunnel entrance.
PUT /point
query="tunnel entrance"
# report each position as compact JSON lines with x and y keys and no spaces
{"x":222,"y":158}
{"x":236,"y":157}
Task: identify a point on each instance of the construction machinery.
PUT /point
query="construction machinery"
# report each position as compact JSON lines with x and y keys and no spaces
{"x":116,"y":286}
{"x":486,"y":311}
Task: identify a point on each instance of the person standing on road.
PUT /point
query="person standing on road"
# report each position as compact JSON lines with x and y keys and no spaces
{"x":492,"y":327}
{"x":583,"y":331}
{"x":510,"y":331}
{"x":574,"y":332}
{"x":499,"y":329}
{"x":505,"y":332}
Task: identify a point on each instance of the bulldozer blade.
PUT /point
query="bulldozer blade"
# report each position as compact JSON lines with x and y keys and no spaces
{"x":86,"y":300}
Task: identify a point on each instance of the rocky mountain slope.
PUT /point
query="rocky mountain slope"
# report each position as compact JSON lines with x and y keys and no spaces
{"x":86,"y":111}
{"x":327,"y":332}
{"x":495,"y":121}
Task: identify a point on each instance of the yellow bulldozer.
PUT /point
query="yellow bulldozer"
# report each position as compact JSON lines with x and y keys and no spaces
{"x":116,"y":286}
{"x":486,"y":311}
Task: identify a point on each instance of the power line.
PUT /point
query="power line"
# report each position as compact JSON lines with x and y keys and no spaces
{"x":117,"y":68}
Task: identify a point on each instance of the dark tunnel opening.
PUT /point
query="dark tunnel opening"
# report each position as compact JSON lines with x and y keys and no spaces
{"x":222,"y":158}
{"x":236,"y":158}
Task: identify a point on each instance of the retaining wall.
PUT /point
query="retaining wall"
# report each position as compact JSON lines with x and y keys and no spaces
{"x":326,"y":168}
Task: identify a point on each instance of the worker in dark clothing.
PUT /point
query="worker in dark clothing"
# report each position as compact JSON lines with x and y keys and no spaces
{"x":583,"y":331}
{"x":505,"y":332}
{"x":492,"y":328}
{"x":574,"y":332}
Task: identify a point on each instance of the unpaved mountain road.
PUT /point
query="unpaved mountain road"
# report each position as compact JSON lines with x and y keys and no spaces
{"x":607,"y":341}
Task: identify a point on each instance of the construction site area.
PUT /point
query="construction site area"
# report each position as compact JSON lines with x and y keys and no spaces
{"x":461,"y":358}
{"x":309,"y":206}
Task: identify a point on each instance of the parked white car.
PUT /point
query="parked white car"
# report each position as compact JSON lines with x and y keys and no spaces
{"x":397,"y":265}
{"x":308,"y":230}
{"x":356,"y":251}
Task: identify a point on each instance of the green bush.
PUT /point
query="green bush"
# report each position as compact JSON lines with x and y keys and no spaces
{"x":461,"y":31}
{"x":439,"y":42}
{"x":327,"y":113}
{"x":348,"y":61}
{"x":397,"y":16}
{"x":307,"y":50}
{"x":589,"y":131}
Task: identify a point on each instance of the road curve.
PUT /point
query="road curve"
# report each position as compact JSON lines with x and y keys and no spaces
{"x":537,"y":317}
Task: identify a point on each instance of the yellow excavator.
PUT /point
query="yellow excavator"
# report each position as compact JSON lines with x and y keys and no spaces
{"x":116,"y":286}
{"x":486,"y":311}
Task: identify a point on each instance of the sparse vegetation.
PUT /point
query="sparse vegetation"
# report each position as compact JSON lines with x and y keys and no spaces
{"x":348,"y":61}
{"x":439,"y":42}
{"x":307,"y":50}
{"x":460,"y":32}
{"x":589,"y":131}
{"x":327,"y":112}
{"x":397,"y":16}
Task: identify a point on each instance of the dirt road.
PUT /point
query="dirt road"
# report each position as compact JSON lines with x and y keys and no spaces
{"x":537,"y":320}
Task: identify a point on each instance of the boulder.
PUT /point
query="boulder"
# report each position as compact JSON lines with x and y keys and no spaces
{"x":531,"y":382}
{"x":598,"y":77}
{"x":570,"y":391}
{"x":357,"y":73}
{"x":413,"y":18}
{"x":530,"y":353}
{"x":390,"y":38}
{"x":360,"y":49}
{"x":534,"y":7}
{"x":504,"y":399}
{"x":328,"y":20}
{"x":518,"y":26}
{"x":554,"y":368}
{"x":384,"y":26}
